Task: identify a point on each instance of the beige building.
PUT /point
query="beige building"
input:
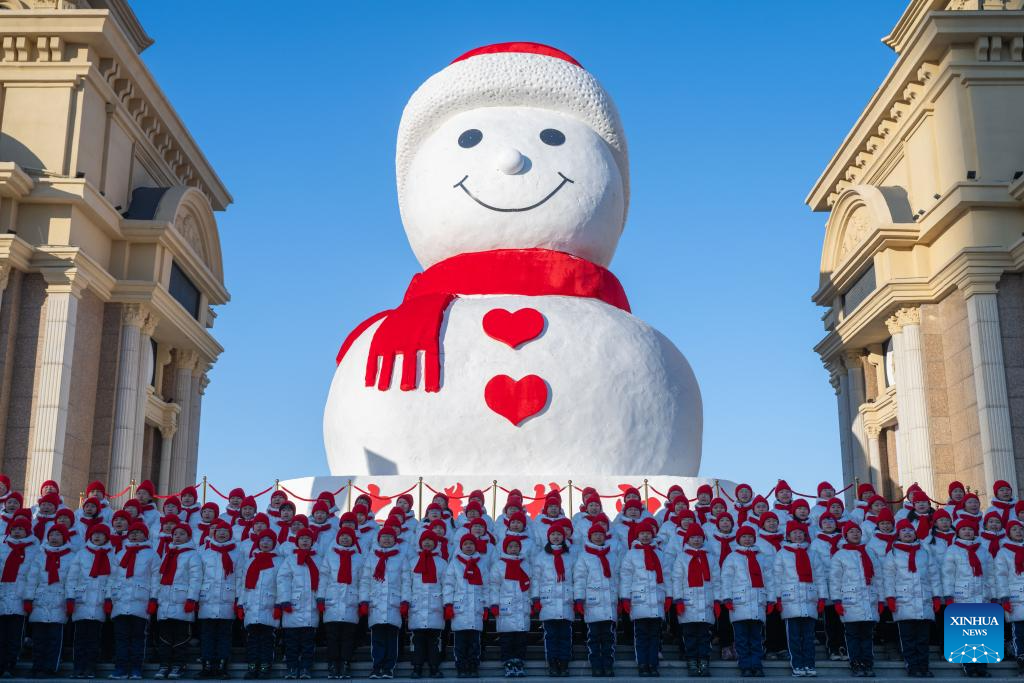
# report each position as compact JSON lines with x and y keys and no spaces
{"x":921,"y":268}
{"x":109,"y":255}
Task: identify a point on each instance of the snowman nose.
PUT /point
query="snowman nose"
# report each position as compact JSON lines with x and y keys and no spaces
{"x":509,"y":161}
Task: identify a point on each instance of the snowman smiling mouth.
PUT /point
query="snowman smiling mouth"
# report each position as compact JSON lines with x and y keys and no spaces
{"x":462,"y":184}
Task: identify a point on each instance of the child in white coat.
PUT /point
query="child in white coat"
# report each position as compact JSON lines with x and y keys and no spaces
{"x":644,"y":584}
{"x":423,"y":603}
{"x":133,"y":580}
{"x":511,"y":598}
{"x":16,"y":559}
{"x":1009,"y":586}
{"x":298,"y":581}
{"x":177,"y":597}
{"x":466,"y":603}
{"x":801,"y":588}
{"x":87,"y":592}
{"x":749,"y":591}
{"x":855,"y":585}
{"x":222,"y":564}
{"x":552,"y":576}
{"x":380,"y":597}
{"x":257,"y":606}
{"x":967,"y":576}
{"x":913,"y":589}
{"x":695,"y":589}
{"x":46,"y":600}
{"x":339,"y":589}
{"x":596,"y":591}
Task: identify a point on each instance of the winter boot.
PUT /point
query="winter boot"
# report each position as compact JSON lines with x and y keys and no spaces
{"x":691,"y":667}
{"x":162,"y":672}
{"x":344,"y":670}
{"x":510,"y":669}
{"x":264,"y":670}
{"x":252,"y":672}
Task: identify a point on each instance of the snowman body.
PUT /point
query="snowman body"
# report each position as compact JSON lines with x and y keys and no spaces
{"x":513,"y":149}
{"x":620,"y":399}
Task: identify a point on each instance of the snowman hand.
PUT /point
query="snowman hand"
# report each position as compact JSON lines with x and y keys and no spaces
{"x":413,"y":327}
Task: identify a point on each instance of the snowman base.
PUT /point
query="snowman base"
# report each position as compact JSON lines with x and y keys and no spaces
{"x":384,"y":490}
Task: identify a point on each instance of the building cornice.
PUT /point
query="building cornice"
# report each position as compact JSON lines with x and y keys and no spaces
{"x":154,"y":232}
{"x":14,"y":182}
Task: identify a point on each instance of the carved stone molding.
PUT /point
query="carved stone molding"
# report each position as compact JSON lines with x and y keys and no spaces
{"x":150,"y":325}
{"x":187,"y":359}
{"x":902,"y":317}
{"x":873,"y":431}
{"x":853,"y":358}
{"x":134,"y":315}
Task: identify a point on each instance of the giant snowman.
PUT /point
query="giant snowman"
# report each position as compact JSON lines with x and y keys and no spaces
{"x":514,"y":352}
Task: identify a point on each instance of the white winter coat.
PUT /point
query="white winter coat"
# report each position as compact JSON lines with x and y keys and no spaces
{"x":699,"y":600}
{"x":748,"y":602}
{"x":384,"y":597}
{"x":426,"y":600}
{"x":131,"y":595}
{"x":12,"y":594}
{"x":513,"y":602}
{"x":599,"y":593}
{"x":219,"y":593}
{"x":640,"y":585}
{"x":848,"y":583}
{"x":467,"y":600}
{"x":958,"y":579}
{"x":799,"y":599}
{"x":88,"y":592}
{"x":259,"y":602}
{"x":555,"y":596}
{"x":341,"y":600}
{"x":913,"y":590}
{"x":295,"y":585}
{"x":48,"y":599}
{"x":1008,"y":583}
{"x":187,"y":581}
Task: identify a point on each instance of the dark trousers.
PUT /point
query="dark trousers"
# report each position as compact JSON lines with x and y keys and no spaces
{"x":914,"y":643}
{"x":173,"y":635}
{"x":259,"y":644}
{"x":1017,"y":638}
{"x":774,"y":633}
{"x":384,"y":647}
{"x":749,"y":635}
{"x":558,"y":641}
{"x":723,"y":627}
{"x":129,"y":643}
{"x":697,"y":636}
{"x":467,"y":650}
{"x":12,"y":633}
{"x":87,"y":645}
{"x":601,"y":644}
{"x":216,"y":639}
{"x":426,"y":648}
{"x":834,"y":639}
{"x":47,"y":640}
{"x":859,"y":642}
{"x":341,"y":640}
{"x":298,"y":647}
{"x":800,"y":636}
{"x":513,"y":645}
{"x":647,"y":641}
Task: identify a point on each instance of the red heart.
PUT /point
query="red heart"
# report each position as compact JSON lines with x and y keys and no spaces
{"x":516,"y":400}
{"x":514,"y":329}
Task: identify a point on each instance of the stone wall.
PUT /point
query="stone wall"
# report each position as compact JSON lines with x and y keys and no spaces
{"x":1011,"y":324}
{"x":103,"y":415}
{"x":952,"y":400}
{"x":27,"y":343}
{"x":82,"y":394}
{"x":9,"y":306}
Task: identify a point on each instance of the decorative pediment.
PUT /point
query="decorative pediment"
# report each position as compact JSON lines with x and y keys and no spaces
{"x":188,"y":211}
{"x":859,"y":213}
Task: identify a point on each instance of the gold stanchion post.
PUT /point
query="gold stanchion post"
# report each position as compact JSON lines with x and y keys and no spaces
{"x":350,"y":495}
{"x":277,"y":484}
{"x":646,"y":494}
{"x":419,"y":504}
{"x":494,"y":498}
{"x":204,"y":489}
{"x":131,"y":489}
{"x":718,"y":489}
{"x":570,"y":498}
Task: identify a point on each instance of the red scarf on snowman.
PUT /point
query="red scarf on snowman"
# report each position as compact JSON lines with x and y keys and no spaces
{"x":416,"y":324}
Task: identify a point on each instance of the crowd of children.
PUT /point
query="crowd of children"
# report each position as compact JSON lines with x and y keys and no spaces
{"x":756,"y":575}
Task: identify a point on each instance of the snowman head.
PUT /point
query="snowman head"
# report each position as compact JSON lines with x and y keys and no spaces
{"x":512,"y":146}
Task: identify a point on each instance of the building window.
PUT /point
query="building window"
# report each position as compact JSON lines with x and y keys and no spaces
{"x":859,"y":291}
{"x":152,"y":350}
{"x":184,"y":291}
{"x":888,"y":364}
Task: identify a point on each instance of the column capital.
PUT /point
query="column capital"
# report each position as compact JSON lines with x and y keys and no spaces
{"x":872,"y":431}
{"x":170,"y":421}
{"x":149,"y":325}
{"x":65,"y":281}
{"x":904,"y":316}
{"x":134,"y":315}
{"x":204,"y":381}
{"x":187,"y":359}
{"x":853,"y":358}
{"x":974,"y":283}
{"x":5,"y":274}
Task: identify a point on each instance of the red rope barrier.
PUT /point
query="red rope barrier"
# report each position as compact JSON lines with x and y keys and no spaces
{"x":118,"y":495}
{"x":536,"y":498}
{"x":374,"y":495}
{"x":610,"y":495}
{"x":313,"y":500}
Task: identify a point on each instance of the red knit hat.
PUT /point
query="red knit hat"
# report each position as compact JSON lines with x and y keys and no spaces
{"x":885,"y":515}
{"x":52,"y":498}
{"x":766,"y":516}
{"x":49,"y":482}
{"x":20,"y":522}
{"x":211,"y":506}
{"x":740,"y":487}
{"x":799,"y":503}
{"x":824,"y":485}
{"x":387,"y":531}
{"x":172,"y":500}
{"x":919,"y":496}
{"x":511,"y":539}
{"x":99,"y":529}
{"x":705,"y":488}
{"x":236,"y":493}
{"x":998,"y":484}
{"x":953,"y":486}
{"x":793,"y":525}
{"x":597,"y":527}
{"x":138,"y":526}
{"x":783,"y":486}
{"x":960,"y":523}
{"x":266,"y":533}
{"x":693,"y":530}
{"x":96,"y":486}
{"x":184,"y":527}
{"x":321,"y":506}
{"x":189,"y":491}
{"x":428,"y":535}
{"x":59,"y":528}
{"x":147,"y":486}
{"x":849,"y":526}
{"x":553,"y":528}
{"x":865,"y":488}
{"x":905,"y":524}
{"x":746,"y":530}
{"x":248,"y":502}
{"x":345,"y":531}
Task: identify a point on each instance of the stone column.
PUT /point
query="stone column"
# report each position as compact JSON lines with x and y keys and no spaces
{"x":990,"y":386}
{"x":855,"y":366}
{"x":873,"y":432}
{"x":126,"y":397}
{"x":840,"y":383}
{"x":5,"y":274}
{"x":145,"y":371}
{"x":911,"y":400}
{"x":199,"y":383}
{"x":186,"y":363}
{"x":166,"y":446}
{"x":53,"y":380}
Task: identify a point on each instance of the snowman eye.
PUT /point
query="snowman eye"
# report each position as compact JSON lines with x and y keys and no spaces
{"x":550,"y":136}
{"x":470,"y":138}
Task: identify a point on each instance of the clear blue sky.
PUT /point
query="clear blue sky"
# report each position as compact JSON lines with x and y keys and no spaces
{"x":732,"y":109}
